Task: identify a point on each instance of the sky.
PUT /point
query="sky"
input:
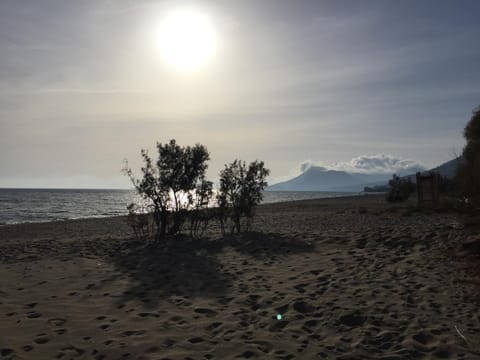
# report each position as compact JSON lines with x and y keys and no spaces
{"x":83,"y":86}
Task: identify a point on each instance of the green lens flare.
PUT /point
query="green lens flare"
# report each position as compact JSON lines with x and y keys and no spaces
{"x":279,"y":316}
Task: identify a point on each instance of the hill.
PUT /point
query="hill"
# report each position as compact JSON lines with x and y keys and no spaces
{"x":321,"y":179}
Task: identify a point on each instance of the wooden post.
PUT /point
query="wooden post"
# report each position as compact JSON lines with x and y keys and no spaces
{"x":428,"y":188}
{"x":419,"y":189}
{"x":435,"y":188}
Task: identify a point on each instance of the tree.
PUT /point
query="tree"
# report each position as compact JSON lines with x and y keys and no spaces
{"x":240,"y":192}
{"x":468,"y":174}
{"x":400,"y":189}
{"x":174,"y":185}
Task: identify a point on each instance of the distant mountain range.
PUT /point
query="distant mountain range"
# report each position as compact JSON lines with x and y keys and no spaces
{"x":321,"y":179}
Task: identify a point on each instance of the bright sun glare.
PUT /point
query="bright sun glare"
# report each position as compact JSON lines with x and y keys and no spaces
{"x":187,"y":39}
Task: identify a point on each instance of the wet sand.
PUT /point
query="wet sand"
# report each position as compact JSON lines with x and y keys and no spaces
{"x":353,"y":278}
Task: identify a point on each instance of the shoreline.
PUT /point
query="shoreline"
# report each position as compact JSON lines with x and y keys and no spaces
{"x":110,"y":216}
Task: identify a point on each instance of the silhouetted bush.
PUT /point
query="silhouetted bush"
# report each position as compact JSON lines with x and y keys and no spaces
{"x":174,"y":185}
{"x":139,"y":222}
{"x":445,"y":185}
{"x":241,"y":189}
{"x":400,"y":189}
{"x":468,"y":174}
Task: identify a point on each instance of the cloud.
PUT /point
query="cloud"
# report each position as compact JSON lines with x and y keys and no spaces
{"x":370,"y":164}
{"x":307,"y":164}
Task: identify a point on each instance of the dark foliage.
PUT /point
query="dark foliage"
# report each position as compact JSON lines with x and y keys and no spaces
{"x":468,"y":174}
{"x":400,"y":189}
{"x":174,"y":185}
{"x":139,"y":222}
{"x":240,"y":192}
{"x":445,"y":185}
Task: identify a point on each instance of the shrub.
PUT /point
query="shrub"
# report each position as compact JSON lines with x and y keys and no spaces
{"x":400,"y":189}
{"x":174,"y":185}
{"x":468,"y":174}
{"x":138,"y":221}
{"x":240,"y":192}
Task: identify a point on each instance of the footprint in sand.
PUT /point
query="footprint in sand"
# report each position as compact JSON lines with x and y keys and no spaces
{"x":247,"y":354}
{"x":6,"y":352}
{"x":442,"y":352}
{"x":278,"y":325}
{"x":205,"y":311}
{"x":146,"y":314}
{"x":56,"y":321}
{"x":178,"y":319}
{"x":133,"y":333}
{"x":153,"y":349}
{"x":42,"y":339}
{"x":33,"y":315}
{"x":309,"y":325}
{"x":27,"y":348}
{"x":72,"y":351}
{"x":303,"y":307}
{"x":423,"y":338}
{"x":169,"y":343}
{"x":213,"y":326}
{"x":282,"y":309}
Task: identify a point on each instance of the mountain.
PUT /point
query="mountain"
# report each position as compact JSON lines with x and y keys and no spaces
{"x":449,"y":168}
{"x":321,"y":179}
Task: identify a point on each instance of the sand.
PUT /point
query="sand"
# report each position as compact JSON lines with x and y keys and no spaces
{"x":353,"y":278}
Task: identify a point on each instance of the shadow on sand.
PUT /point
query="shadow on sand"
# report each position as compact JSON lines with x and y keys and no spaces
{"x":263,"y":245}
{"x":182,"y":266}
{"x":179,"y":266}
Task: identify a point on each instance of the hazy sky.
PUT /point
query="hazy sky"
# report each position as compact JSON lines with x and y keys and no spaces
{"x":83,"y":86}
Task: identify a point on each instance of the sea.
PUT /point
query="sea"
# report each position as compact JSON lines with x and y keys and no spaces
{"x":43,"y":205}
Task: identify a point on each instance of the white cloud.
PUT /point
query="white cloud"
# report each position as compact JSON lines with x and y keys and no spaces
{"x":370,"y":164}
{"x":307,"y":164}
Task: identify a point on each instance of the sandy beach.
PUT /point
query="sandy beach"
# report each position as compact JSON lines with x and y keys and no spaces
{"x":352,"y":278}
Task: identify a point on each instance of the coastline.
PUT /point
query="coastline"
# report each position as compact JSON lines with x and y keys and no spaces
{"x":352,"y":278}
{"x":48,"y":205}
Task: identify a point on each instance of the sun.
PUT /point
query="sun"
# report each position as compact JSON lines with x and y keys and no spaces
{"x":186,"y":39}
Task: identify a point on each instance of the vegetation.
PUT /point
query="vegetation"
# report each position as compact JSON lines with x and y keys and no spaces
{"x":139,"y":222}
{"x":468,"y":174}
{"x":173,"y":185}
{"x":178,"y":192}
{"x":240,"y":192}
{"x":400,"y":189}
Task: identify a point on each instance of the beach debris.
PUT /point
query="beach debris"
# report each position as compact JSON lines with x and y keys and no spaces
{"x":455,"y":225}
{"x":279,"y":317}
{"x":460,"y":334}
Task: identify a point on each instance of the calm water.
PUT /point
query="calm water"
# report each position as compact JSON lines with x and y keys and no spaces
{"x":39,"y":205}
